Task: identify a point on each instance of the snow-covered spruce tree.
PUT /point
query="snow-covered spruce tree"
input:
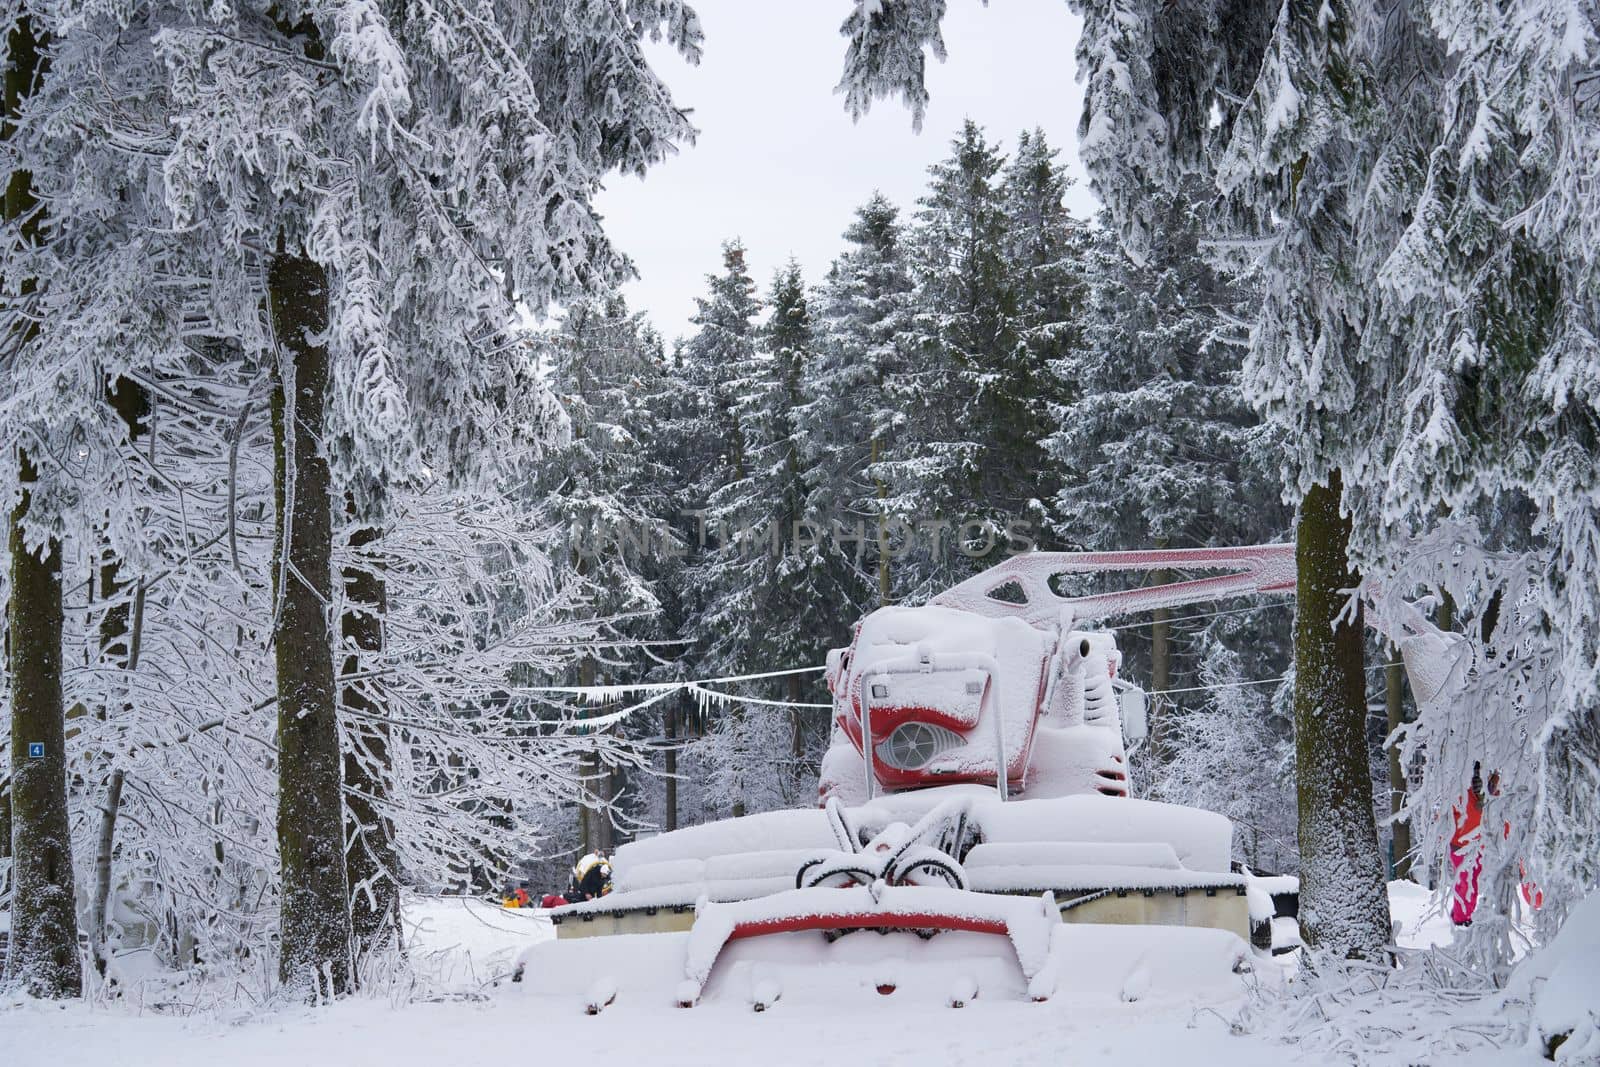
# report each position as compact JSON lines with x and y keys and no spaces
{"x":967,"y":452}
{"x":803,"y":589}
{"x":723,"y":371}
{"x":1411,"y":184}
{"x":863,"y":312}
{"x":767,"y":577}
{"x":608,"y":488}
{"x":471,"y":216}
{"x":1047,"y":251}
{"x":331,"y":166}
{"x":1157,"y":445}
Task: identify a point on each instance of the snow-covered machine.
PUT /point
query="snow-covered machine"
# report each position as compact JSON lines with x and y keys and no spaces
{"x":974,"y":810}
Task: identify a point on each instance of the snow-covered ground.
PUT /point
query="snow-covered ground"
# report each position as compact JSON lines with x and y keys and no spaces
{"x":1422,"y":918}
{"x":468,"y":1014}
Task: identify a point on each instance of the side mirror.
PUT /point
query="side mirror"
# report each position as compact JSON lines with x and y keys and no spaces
{"x":1135,"y":720}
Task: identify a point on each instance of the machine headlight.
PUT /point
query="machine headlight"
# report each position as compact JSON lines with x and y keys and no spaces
{"x":913,"y":745}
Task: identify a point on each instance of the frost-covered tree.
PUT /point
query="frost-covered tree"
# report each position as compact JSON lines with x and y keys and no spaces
{"x":967,"y":452}
{"x":1410,"y":182}
{"x":863,"y":314}
{"x":329,"y":166}
{"x":43,"y":955}
{"x":721,"y":374}
{"x":1233,"y":752}
{"x":1157,"y":445}
{"x":716,"y":360}
{"x":609,"y":489}
{"x":1047,"y":252}
{"x":771,"y":569}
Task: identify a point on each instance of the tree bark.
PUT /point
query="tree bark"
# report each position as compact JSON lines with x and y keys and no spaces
{"x":131,"y":403}
{"x":1160,"y":671}
{"x":1344,"y":908}
{"x":42,"y":957}
{"x":797,"y":739}
{"x":594,"y":809}
{"x":1394,"y":705}
{"x":882,"y":490}
{"x":104,"y":852}
{"x":671,"y":768}
{"x":315,"y":923}
{"x":43,"y":953}
{"x":372,"y":863}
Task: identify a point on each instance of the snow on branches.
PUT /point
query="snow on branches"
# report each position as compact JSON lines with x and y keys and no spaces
{"x":1501,"y":719}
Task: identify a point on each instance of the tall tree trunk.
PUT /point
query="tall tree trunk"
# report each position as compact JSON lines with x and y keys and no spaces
{"x":104,"y":852}
{"x":589,"y":771}
{"x":1394,"y":705}
{"x":882,"y":490}
{"x":613,"y":787}
{"x":315,"y":943}
{"x":1161,"y":671}
{"x":131,"y":403}
{"x":1344,"y":908}
{"x":671,"y":768}
{"x":5,"y":826}
{"x":43,"y":954}
{"x":797,"y":735}
{"x":372,"y":864}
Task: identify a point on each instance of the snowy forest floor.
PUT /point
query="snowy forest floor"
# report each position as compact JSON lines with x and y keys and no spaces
{"x":458,"y":1014}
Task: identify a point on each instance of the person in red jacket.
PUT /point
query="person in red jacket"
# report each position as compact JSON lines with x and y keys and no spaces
{"x":1464,"y":899}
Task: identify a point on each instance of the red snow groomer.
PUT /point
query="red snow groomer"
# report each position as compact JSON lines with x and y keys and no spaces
{"x":975,"y":812}
{"x":996,"y":673}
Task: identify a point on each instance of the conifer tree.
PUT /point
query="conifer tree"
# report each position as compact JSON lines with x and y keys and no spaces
{"x":608,"y":490}
{"x":1047,"y":251}
{"x":721,"y":368}
{"x":1158,"y":447}
{"x":770,"y":570}
{"x":864,"y":322}
{"x":964,"y":460}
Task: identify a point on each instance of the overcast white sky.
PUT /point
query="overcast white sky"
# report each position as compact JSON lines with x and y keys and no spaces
{"x":778,"y":162}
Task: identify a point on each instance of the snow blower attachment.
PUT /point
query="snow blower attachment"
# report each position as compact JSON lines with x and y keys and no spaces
{"x":975,"y":818}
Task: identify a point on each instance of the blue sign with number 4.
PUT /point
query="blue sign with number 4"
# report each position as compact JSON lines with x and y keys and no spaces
{"x":36,"y":750}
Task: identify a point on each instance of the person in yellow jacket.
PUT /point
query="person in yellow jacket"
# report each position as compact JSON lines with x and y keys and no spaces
{"x":591,"y":877}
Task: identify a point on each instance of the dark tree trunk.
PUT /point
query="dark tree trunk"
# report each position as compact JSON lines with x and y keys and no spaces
{"x":671,"y":768}
{"x":1394,"y":705}
{"x":43,"y":953}
{"x":42,"y":957}
{"x":1160,"y":673}
{"x":131,"y":403}
{"x":315,"y":943}
{"x":1344,"y":908}
{"x":797,"y":737}
{"x":104,"y":852}
{"x":594,"y":815}
{"x":884,"y":598}
{"x":371,"y":861}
